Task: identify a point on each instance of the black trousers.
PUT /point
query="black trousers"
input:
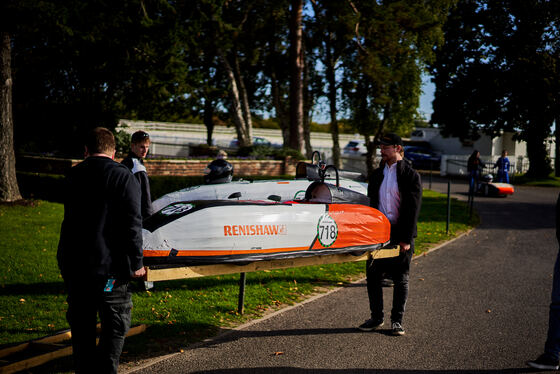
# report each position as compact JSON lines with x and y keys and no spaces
{"x":85,"y":302}
{"x":397,"y":268}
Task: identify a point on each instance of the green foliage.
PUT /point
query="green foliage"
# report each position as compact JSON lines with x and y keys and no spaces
{"x":498,"y":71}
{"x":282,"y":153}
{"x":383,"y":85}
{"x":264,"y":152}
{"x":78,"y":65}
{"x":83,"y":64}
{"x":123,"y":141}
{"x":256,"y":151}
{"x":320,"y":127}
{"x":550,"y":181}
{"x":203,"y":150}
{"x":344,"y":126}
{"x":41,"y":186}
{"x":270,"y":123}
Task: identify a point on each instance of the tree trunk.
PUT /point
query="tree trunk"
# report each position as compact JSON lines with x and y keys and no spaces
{"x":371,"y":162}
{"x":332,"y":106}
{"x":239,"y":117}
{"x":282,"y":115}
{"x":244,"y":103}
{"x":296,"y":86}
{"x":370,"y":155}
{"x":307,"y":100}
{"x":539,"y":162}
{"x":209,"y":119}
{"x":9,"y":190}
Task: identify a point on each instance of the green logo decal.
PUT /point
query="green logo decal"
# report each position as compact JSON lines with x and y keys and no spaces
{"x":327,"y":230}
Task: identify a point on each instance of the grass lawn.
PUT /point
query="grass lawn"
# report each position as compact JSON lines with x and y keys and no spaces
{"x":32,"y":299}
{"x":551,"y":181}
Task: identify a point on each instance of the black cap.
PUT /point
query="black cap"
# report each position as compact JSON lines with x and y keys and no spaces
{"x":390,"y":139}
{"x":139,"y":136}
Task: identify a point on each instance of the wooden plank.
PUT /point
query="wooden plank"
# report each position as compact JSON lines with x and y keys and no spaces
{"x":14,"y":349}
{"x":47,"y":343}
{"x":35,"y":361}
{"x":64,"y":335}
{"x":184,"y":272}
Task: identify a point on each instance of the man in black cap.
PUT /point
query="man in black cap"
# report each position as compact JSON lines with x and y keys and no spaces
{"x":396,"y":190}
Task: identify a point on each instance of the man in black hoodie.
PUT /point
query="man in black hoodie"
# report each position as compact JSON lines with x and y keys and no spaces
{"x":396,"y":190}
{"x":140,"y":143}
{"x":100,"y":250}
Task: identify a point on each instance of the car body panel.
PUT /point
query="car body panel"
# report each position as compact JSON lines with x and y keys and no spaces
{"x":205,"y":232}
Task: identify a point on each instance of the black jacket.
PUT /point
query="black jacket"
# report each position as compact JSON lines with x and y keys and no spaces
{"x":410,"y":189}
{"x":101,"y":234}
{"x":136,"y":165}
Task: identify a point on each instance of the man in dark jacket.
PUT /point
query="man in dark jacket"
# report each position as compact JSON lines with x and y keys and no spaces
{"x":396,"y":190}
{"x":140,"y":143}
{"x":100,"y":250}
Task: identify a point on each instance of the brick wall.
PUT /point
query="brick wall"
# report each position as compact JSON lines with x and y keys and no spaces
{"x":166,"y":167}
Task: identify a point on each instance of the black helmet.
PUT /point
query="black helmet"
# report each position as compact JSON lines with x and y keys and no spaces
{"x":218,"y":171}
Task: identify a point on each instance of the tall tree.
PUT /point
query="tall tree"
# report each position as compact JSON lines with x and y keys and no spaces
{"x":296,"y":76}
{"x":498,"y":71}
{"x":276,"y":65}
{"x":394,"y":41}
{"x":9,"y":190}
{"x":332,"y":26}
{"x":235,"y":30}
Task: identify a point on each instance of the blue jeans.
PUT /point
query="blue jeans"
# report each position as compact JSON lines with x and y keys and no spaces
{"x":473,"y":182}
{"x":552,"y":345}
{"x":397,"y":269}
{"x":503,"y":177}
{"x":85,"y":301}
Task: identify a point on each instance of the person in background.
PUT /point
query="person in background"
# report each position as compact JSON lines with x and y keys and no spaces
{"x":140,"y":143}
{"x":396,"y":190}
{"x":218,"y":171}
{"x":503,"y":168}
{"x":549,"y":360}
{"x":474,"y":167}
{"x":222,"y":155}
{"x":99,"y":251}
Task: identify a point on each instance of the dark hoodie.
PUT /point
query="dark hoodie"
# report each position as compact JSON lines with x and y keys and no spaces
{"x":101,"y":234}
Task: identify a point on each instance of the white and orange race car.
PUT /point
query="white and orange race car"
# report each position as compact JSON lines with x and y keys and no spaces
{"x":328,"y":220}
{"x":486,"y":187}
{"x":273,"y":190}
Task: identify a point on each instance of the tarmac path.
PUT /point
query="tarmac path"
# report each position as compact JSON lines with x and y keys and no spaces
{"x":478,"y":304}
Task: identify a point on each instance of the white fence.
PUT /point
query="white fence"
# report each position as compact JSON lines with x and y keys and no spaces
{"x":174,"y":139}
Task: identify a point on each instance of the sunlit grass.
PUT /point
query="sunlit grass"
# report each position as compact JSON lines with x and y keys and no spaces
{"x":551,"y":181}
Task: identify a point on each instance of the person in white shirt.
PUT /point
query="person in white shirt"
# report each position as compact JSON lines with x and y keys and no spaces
{"x":396,"y":190}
